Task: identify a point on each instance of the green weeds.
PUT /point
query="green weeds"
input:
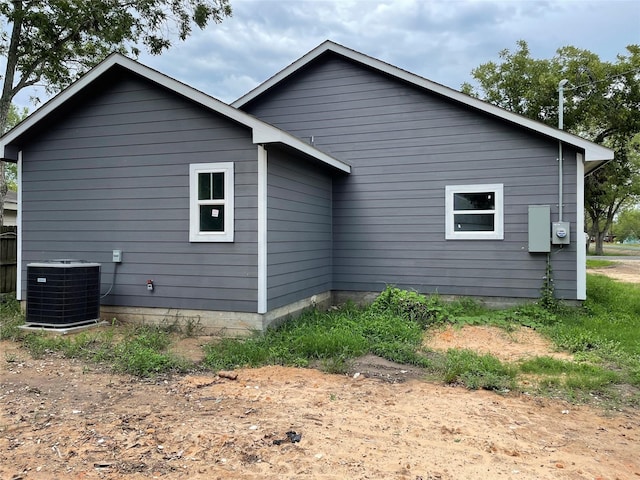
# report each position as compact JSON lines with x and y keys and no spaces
{"x":597,"y":263}
{"x":141,"y":351}
{"x":570,"y":375}
{"x":327,"y":339}
{"x":603,"y":336}
{"x":11,"y":318}
{"x":412,"y":306}
{"x":478,"y":371}
{"x":606,"y":332}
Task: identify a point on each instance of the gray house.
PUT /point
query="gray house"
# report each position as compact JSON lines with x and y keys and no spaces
{"x":339,"y":175}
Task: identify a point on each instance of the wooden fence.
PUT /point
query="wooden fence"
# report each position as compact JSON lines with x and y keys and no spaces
{"x":8,"y":259}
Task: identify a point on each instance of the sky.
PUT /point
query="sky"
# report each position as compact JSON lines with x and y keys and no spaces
{"x":438,"y":39}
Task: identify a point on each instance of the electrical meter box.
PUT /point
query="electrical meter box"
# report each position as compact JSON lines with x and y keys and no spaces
{"x":560,"y":233}
{"x":539,"y":221}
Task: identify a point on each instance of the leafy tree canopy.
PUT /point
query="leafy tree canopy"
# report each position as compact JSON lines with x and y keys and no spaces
{"x":627,"y":225}
{"x":602,"y":103}
{"x":11,"y":172}
{"x":52,"y":42}
{"x":15,"y":116}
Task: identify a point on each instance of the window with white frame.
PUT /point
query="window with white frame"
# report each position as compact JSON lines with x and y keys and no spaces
{"x":474,"y":212}
{"x":211,"y":202}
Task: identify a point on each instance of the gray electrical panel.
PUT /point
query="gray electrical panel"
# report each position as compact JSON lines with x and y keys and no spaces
{"x":560,"y":233}
{"x":539,"y":228}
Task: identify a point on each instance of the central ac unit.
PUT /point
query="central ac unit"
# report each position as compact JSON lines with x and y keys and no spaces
{"x":63,"y":293}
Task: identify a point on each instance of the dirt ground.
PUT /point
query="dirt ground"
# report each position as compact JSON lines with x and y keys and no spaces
{"x":624,"y":271}
{"x":62,"y":419}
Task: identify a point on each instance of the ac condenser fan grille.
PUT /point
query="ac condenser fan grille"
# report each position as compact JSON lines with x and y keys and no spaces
{"x":63,"y":293}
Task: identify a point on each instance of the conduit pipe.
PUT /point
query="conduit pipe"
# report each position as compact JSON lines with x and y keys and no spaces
{"x":561,"y":85}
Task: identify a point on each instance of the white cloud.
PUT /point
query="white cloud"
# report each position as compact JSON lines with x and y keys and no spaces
{"x":438,"y":39}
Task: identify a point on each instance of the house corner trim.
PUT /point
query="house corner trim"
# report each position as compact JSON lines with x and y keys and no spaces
{"x":262,"y":229}
{"x":581,"y":244}
{"x":19,"y":223}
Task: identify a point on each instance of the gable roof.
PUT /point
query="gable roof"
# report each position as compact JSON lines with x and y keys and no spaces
{"x":262,"y":133}
{"x":593,"y":152}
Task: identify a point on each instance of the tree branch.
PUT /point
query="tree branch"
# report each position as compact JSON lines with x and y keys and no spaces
{"x":10,"y":69}
{"x":604,"y":134}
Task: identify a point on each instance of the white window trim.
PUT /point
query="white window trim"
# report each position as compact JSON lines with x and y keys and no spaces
{"x":496,"y":234}
{"x":195,"y":235}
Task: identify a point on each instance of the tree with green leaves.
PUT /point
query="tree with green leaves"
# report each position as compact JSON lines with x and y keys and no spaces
{"x":54,"y":42}
{"x":602,"y":103}
{"x":9,"y":170}
{"x":627,"y":225}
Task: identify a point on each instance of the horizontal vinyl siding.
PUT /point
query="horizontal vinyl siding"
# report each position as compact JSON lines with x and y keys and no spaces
{"x":405,"y":146}
{"x":299,"y":240}
{"x":113,"y":173}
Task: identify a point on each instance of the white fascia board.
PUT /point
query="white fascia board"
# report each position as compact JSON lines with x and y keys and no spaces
{"x":268,"y":133}
{"x":592,"y":151}
{"x":265,"y":134}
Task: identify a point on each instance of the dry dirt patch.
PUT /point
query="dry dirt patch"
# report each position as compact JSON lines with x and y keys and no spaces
{"x":622,"y":270}
{"x":509,"y":346}
{"x":190,"y":348}
{"x":60,"y":418}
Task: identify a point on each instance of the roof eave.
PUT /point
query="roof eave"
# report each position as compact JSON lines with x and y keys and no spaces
{"x":593,"y":151}
{"x":597,"y":153}
{"x":262,"y":131}
{"x":266,"y":136}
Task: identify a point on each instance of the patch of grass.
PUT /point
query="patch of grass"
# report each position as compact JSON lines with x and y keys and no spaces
{"x":604,"y":337}
{"x":477,"y":371}
{"x":330,"y":338}
{"x":597,"y":263}
{"x":144,"y":353}
{"x":572,"y":375}
{"x":606,"y":295}
{"x":618,"y":253}
{"x":92,"y":346}
{"x":11,"y":317}
{"x":141,"y":352}
{"x":339,"y":364}
{"x":545,"y":365}
{"x":230,"y":353}
{"x":609,"y":323}
{"x":392,"y":328}
{"x":619,"y":250}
